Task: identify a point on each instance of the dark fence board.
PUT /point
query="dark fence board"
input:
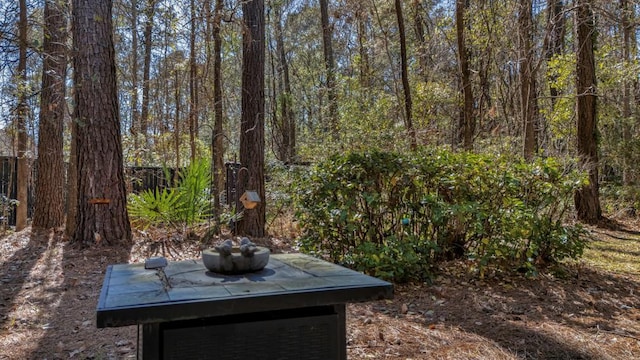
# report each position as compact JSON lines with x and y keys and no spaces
{"x":138,"y":179}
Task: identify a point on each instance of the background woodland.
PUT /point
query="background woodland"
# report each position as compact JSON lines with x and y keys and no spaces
{"x":524,"y":79}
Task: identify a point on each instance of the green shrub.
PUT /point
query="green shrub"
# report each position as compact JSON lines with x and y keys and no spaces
{"x":181,"y":206}
{"x":395,"y":216}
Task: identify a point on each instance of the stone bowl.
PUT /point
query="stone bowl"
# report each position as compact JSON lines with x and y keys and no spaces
{"x":236,"y":263}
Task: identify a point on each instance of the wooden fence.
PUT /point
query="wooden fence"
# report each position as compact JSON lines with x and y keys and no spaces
{"x":138,"y":179}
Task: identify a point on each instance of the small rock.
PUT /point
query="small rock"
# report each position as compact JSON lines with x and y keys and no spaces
{"x":124,"y":350}
{"x":404,"y":309}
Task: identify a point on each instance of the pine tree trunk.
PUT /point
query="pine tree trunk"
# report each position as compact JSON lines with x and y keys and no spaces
{"x":555,"y":47}
{"x":146,"y":69}
{"x":49,"y":210}
{"x":628,"y":177}
{"x":466,"y":125}
{"x":288,"y":128}
{"x":251,"y":176}
{"x":587,"y":199}
{"x":527,"y":80}
{"x":135,"y":114}
{"x":72,"y":183}
{"x":418,"y":24}
{"x":405,"y":77}
{"x":193,"y":98}
{"x":22,"y":111}
{"x":102,"y":212}
{"x":218,"y":134}
{"x":327,"y":34}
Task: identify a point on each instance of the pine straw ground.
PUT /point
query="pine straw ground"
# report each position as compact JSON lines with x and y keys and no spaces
{"x":586,"y":310}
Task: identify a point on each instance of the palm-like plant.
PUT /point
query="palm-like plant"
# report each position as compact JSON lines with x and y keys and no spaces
{"x":185,"y":204}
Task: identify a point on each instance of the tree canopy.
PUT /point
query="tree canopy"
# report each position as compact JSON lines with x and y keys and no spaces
{"x":480,"y":75}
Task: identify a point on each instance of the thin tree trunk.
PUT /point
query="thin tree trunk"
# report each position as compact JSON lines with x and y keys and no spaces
{"x":555,"y":47}
{"x":627,"y":172}
{"x":418,"y":23}
{"x":135,"y":114}
{"x":213,"y":61}
{"x":251,"y":175}
{"x":146,"y":71}
{"x":218,"y":134}
{"x":193,"y":100}
{"x":365,"y":66}
{"x":587,"y":200}
{"x":327,"y":35}
{"x":22,"y":111}
{"x":49,"y":210}
{"x":176,"y":96}
{"x":288,"y":119}
{"x":466,"y":126}
{"x":527,"y":80}
{"x":405,"y":77}
{"x":275,"y":87}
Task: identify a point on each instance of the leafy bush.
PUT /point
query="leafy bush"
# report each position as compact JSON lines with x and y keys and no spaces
{"x":184,"y":205}
{"x":395,"y":216}
{"x":6,"y":206}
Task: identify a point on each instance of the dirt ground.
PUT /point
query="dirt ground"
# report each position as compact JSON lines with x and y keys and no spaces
{"x":49,"y":291}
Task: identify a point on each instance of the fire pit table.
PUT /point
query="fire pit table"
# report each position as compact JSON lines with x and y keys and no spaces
{"x":294,"y":308}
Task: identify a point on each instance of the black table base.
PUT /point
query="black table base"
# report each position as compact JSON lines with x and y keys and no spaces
{"x":316,"y":333}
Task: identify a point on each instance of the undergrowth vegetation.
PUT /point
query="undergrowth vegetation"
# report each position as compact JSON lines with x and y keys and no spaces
{"x":185,"y":204}
{"x":396,"y":216}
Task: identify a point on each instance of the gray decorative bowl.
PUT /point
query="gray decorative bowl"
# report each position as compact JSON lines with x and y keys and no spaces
{"x":236,"y":262}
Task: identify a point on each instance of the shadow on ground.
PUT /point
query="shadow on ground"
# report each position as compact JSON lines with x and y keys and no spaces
{"x":83,"y":271}
{"x":585,"y":314}
{"x":15,"y":270}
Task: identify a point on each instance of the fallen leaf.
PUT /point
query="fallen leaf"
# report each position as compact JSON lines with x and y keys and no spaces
{"x":404,"y":308}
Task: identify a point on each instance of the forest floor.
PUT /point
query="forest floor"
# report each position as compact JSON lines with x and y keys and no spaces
{"x":583,"y":310}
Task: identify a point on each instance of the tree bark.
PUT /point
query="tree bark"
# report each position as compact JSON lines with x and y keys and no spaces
{"x":288,"y":125}
{"x":102,"y":211}
{"x":363,"y":50}
{"x":327,"y":35}
{"x":218,"y":134}
{"x":628,"y":177}
{"x":193,"y":98}
{"x":466,"y":125}
{"x":405,"y":77}
{"x":135,"y":113}
{"x":418,"y":24}
{"x":49,"y":210}
{"x":146,"y":70}
{"x":72,"y":183}
{"x":555,"y":45}
{"x":251,"y":175}
{"x":176,"y":126}
{"x":22,"y":111}
{"x":527,"y":80}
{"x":587,"y":200}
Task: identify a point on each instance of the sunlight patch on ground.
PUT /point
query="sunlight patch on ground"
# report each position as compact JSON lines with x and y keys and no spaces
{"x":31,"y":309}
{"x":617,"y":253}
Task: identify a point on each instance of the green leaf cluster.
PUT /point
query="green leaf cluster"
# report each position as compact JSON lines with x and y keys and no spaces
{"x":185,"y":204}
{"x":397,"y":215}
